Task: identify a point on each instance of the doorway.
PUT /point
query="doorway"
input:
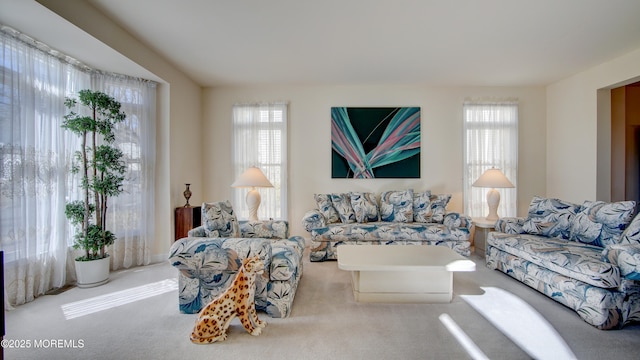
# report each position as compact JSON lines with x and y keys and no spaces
{"x":625,"y":143}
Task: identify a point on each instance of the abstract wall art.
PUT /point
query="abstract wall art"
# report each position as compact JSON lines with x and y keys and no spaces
{"x":375,"y":142}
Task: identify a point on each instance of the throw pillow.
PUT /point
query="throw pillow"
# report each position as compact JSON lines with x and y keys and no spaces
{"x":396,"y":206}
{"x":364,"y":206}
{"x":438,"y":208}
{"x":326,"y":208}
{"x":219,"y":216}
{"x":550,"y":217}
{"x":421,"y":206}
{"x":599,"y":223}
{"x":342,"y":203}
{"x":632,"y":234}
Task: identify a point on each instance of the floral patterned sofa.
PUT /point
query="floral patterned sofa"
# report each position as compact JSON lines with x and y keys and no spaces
{"x":209,"y":258}
{"x":398,"y":218}
{"x":586,"y":257}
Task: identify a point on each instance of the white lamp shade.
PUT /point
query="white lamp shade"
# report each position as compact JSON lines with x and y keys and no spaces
{"x":252,"y":177}
{"x":493,"y":178}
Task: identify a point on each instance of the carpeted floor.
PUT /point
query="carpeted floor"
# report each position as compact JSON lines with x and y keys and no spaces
{"x":326,"y":323}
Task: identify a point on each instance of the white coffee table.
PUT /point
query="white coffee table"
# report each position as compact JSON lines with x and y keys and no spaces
{"x":402,"y":273}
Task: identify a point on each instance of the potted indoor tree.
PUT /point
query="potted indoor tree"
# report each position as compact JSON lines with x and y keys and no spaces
{"x":101,"y":169}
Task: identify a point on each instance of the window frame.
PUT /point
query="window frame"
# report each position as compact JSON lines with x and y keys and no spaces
{"x":490,"y":139}
{"x":256,"y":128}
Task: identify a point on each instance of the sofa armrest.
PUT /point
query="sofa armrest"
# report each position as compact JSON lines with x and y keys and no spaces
{"x":313,"y":219}
{"x":286,"y":258}
{"x":269,"y":229}
{"x":626,"y":257}
{"x":457,"y":220}
{"x":197,"y":232}
{"x":192,"y":254}
{"x":510,"y":225}
{"x":198,"y":255}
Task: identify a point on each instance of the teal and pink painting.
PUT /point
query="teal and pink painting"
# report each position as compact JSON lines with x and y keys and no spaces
{"x":375,"y":142}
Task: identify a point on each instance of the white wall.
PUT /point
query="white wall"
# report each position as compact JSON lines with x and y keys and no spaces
{"x":574,"y":125}
{"x":310,"y":139}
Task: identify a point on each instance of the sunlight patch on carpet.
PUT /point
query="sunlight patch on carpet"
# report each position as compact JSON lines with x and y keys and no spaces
{"x":108,"y":301}
{"x":463,"y":339}
{"x":521,"y":323}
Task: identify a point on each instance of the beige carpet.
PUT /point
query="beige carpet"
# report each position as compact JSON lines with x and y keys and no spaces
{"x":326,"y":323}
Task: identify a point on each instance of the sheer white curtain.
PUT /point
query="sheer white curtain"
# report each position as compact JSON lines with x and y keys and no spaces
{"x":490,"y":140}
{"x":130,"y":214}
{"x":35,"y":156}
{"x":260,"y":139}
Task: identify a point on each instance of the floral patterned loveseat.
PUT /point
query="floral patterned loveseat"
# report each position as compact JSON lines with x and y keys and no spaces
{"x":586,"y":257}
{"x":398,"y":218}
{"x":209,"y":258}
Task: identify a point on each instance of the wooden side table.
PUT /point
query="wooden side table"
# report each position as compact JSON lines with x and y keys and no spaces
{"x":187,"y":218}
{"x":483,"y":227}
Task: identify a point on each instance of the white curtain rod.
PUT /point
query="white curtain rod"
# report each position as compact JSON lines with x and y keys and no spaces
{"x":490,"y":101}
{"x":40,"y":46}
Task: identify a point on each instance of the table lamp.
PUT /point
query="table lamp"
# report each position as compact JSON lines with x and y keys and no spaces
{"x":493,"y":178}
{"x":252,"y":178}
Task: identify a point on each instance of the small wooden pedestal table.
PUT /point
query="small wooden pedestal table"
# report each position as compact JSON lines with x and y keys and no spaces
{"x":482,"y":229}
{"x":402,"y":273}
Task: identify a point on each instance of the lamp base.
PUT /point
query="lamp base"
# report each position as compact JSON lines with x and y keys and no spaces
{"x":493,"y":200}
{"x":253,"y":202}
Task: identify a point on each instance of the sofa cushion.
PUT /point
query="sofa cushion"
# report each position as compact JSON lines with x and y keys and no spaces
{"x":390,"y":231}
{"x":266,"y":229}
{"x":572,"y":259}
{"x":342,"y":203}
{"x":242,"y":248}
{"x":220,"y":220}
{"x":396,"y":206}
{"x":421,"y":206}
{"x":211,"y":233}
{"x":326,"y":208}
{"x":550,"y":217}
{"x":599,"y":223}
{"x":364,"y":206}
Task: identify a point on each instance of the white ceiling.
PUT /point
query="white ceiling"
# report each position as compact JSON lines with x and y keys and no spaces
{"x":443,"y":42}
{"x":435,"y":42}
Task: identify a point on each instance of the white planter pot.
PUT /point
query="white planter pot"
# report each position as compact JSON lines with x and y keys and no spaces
{"x":92,"y":273}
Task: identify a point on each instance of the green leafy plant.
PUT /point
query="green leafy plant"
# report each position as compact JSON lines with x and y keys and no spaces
{"x":100,"y":166}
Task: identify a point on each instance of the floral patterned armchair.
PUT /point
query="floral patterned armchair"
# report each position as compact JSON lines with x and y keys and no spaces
{"x":209,"y":258}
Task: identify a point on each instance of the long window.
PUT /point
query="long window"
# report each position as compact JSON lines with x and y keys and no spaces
{"x":490,"y":140}
{"x":132,"y":213}
{"x":36,"y":157}
{"x":260,"y":140}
